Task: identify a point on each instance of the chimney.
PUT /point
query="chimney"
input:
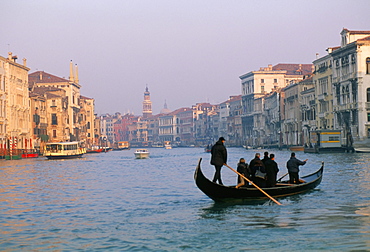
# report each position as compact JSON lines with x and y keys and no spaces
{"x":76,"y":74}
{"x":10,"y":55}
{"x":24,"y":62}
{"x":270,"y":67}
{"x":71,"y":77}
{"x":40,"y":76}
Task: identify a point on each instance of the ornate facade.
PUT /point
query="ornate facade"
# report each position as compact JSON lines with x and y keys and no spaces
{"x":15,"y":124}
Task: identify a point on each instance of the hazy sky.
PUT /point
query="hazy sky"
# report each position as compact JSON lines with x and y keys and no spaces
{"x":185,"y":51}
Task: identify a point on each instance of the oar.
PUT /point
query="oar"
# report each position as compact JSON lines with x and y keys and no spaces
{"x":279,"y":180}
{"x":274,"y":200}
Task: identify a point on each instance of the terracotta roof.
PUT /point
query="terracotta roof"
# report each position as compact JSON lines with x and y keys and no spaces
{"x":364,"y":39}
{"x":52,"y":95}
{"x":356,"y":32}
{"x":204,"y":104}
{"x":177,"y":111}
{"x":233,"y":98}
{"x":85,"y":98}
{"x":43,"y":90}
{"x":42,"y":77}
{"x":294,"y":69}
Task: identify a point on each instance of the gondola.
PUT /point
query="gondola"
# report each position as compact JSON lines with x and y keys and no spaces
{"x":221,"y":193}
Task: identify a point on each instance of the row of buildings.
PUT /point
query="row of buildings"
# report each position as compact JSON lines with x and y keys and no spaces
{"x":281,"y":105}
{"x":39,"y":107}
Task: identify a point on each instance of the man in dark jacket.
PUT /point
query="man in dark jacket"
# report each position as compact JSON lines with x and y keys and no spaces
{"x":265,"y":157}
{"x":218,"y":158}
{"x":254,"y":165}
{"x":293,"y":168}
{"x":271,"y":171}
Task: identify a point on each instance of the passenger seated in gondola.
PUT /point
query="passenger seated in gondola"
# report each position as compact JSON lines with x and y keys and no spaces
{"x":258,"y":172}
{"x":244,"y":170}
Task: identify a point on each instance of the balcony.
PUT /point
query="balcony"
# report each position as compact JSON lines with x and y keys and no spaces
{"x":322,"y":96}
{"x":322,"y":114}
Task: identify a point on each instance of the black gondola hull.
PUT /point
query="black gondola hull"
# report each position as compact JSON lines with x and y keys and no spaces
{"x":220,"y":193}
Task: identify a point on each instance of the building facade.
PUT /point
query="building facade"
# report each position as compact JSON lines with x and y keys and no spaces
{"x":351,"y":88}
{"x":15,"y":123}
{"x":256,"y":84}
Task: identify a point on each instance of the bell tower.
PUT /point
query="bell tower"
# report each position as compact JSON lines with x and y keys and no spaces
{"x":147,"y":104}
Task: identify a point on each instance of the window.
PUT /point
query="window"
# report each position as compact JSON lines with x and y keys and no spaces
{"x":54,"y":133}
{"x":262,"y":80}
{"x":368,"y":94}
{"x":368,"y":65}
{"x":54,"y":119}
{"x":262,"y":89}
{"x":368,"y":117}
{"x":275,"y":80}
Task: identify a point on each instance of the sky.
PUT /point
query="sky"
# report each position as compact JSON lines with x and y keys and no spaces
{"x":184,"y":51}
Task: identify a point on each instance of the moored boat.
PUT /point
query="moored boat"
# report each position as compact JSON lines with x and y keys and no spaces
{"x":208,"y":148}
{"x":94,"y":149}
{"x":221,"y":193}
{"x":296,"y":148}
{"x":30,"y":153}
{"x":362,"y":150}
{"x":141,"y":153}
{"x":63,"y":150}
{"x":167,"y":145}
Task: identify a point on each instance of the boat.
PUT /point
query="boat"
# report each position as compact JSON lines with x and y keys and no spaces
{"x":221,"y":193}
{"x":157,"y":145}
{"x":141,"y":153}
{"x":296,"y":148}
{"x":362,"y":150}
{"x":30,"y":153}
{"x":94,"y":149}
{"x":208,"y":148}
{"x":63,"y":150}
{"x":107,"y":149}
{"x":167,"y":145}
{"x":122,"y":145}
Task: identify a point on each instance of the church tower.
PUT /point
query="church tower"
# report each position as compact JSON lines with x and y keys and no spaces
{"x":147,"y":104}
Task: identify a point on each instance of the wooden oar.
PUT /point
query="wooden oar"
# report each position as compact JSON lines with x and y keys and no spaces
{"x":274,"y":200}
{"x":282,"y":177}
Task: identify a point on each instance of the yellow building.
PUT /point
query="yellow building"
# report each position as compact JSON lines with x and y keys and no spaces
{"x":72,"y":90}
{"x":14,"y":103}
{"x":87,"y":120}
{"x":38,"y":120}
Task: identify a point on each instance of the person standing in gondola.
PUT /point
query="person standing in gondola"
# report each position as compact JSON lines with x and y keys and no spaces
{"x":293,"y":168}
{"x":218,"y":158}
{"x":272,"y":170}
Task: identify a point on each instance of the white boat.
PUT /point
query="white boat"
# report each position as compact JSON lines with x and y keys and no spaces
{"x":362,"y":150}
{"x":141,"y":153}
{"x":63,"y":150}
{"x":167,"y":145}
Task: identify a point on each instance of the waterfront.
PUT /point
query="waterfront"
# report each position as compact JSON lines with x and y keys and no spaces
{"x":114,"y":202}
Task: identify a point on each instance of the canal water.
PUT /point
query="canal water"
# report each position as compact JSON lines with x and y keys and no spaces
{"x":114,"y":202}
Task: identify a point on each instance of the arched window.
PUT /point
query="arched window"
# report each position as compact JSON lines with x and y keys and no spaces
{"x":368,"y":65}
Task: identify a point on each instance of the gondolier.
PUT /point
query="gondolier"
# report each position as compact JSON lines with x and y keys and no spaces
{"x":218,"y":158}
{"x":293,"y":168}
